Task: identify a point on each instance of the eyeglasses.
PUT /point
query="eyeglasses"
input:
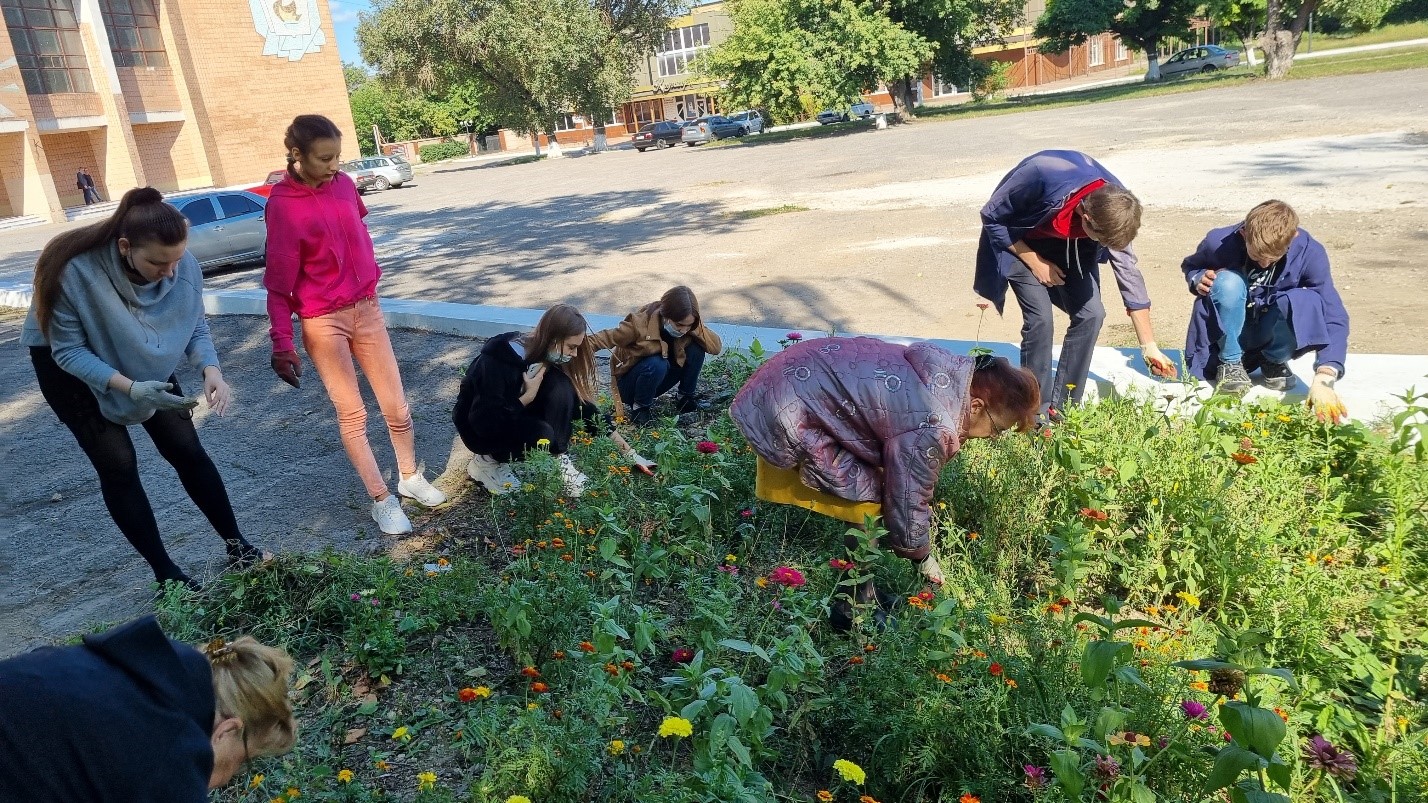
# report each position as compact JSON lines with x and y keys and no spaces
{"x":997,"y":429}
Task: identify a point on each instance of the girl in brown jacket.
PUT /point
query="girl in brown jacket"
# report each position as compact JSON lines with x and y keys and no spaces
{"x":656,"y":347}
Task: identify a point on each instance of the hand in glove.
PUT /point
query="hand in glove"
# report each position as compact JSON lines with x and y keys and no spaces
{"x":1324,"y":400}
{"x":159,"y":395}
{"x":641,"y":464}
{"x":288,"y":366}
{"x":1159,"y":364}
{"x":931,"y":570}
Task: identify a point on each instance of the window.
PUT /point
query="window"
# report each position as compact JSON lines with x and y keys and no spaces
{"x":134,"y":35}
{"x":1121,"y":54}
{"x":237,"y":205}
{"x":199,"y":212}
{"x":568,"y":122}
{"x":681,"y":45}
{"x":1096,"y":55}
{"x":942,"y":87}
{"x":47,"y":44}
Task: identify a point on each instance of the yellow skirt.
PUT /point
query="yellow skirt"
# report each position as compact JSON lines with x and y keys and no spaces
{"x":785,"y":487}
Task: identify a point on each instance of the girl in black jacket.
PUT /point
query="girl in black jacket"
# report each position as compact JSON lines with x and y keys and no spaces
{"x":525,"y":389}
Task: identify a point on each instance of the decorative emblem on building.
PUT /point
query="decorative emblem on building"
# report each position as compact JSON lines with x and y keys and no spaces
{"x":291,"y":28}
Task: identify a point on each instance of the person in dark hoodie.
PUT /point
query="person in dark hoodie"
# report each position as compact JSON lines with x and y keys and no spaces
{"x":117,"y":306}
{"x":132,"y":717}
{"x":1049,"y":224}
{"x":526,"y":391}
{"x":1265,"y":296}
{"x":321,"y":267}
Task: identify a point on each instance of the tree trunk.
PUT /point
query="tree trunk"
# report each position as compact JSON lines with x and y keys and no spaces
{"x":1248,"y":38}
{"x":1280,"y":42}
{"x":535,"y":138}
{"x":1152,"y":61}
{"x":600,"y":140}
{"x":904,"y":97}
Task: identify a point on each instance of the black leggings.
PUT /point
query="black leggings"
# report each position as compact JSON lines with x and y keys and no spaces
{"x":110,"y":450}
{"x":550,"y":416}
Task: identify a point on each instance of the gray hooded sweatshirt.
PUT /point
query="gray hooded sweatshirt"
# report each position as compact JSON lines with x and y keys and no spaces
{"x":103,"y":323}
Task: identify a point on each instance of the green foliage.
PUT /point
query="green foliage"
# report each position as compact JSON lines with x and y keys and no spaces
{"x":787,"y":56}
{"x":1141,"y":24}
{"x":403,"y":113}
{"x":991,"y":80}
{"x":444,"y":150}
{"x":1359,"y":15}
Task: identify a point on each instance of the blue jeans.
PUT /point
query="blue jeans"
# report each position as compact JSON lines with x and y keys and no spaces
{"x":1267,"y":332}
{"x":652,"y":376}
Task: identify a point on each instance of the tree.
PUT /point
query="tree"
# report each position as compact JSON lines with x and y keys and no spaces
{"x":953,"y":28}
{"x":1283,"y":28}
{"x":1244,"y":17}
{"x":790,"y":56}
{"x":529,"y":61}
{"x":1141,"y":24}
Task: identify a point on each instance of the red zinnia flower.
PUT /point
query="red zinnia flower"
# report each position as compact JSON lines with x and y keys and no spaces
{"x":467,"y":695}
{"x":706,"y":447}
{"x":747,"y":512}
{"x":787,"y":577}
{"x":925,"y":596}
{"x":795,"y":336}
{"x":995,"y":669}
{"x":838,"y":564}
{"x":539,"y":688}
{"x":683,"y":655}
{"x":1094,"y":514}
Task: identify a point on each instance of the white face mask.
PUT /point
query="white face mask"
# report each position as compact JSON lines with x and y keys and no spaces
{"x":673,"y":330}
{"x":557,"y":358}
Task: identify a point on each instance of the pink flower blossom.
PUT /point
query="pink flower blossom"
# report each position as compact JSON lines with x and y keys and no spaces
{"x":788,"y":577}
{"x":840,"y":565}
{"x":683,"y":655}
{"x":356,"y":597}
{"x":747,"y":513}
{"x":706,"y":447}
{"x":1194,"y":710}
{"x":794,"y":336}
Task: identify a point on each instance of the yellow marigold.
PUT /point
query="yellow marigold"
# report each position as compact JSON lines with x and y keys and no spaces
{"x":518,"y":799}
{"x":825,"y":796}
{"x":426,"y":780}
{"x":543,"y":442}
{"x":382,"y":765}
{"x":1200,"y":685}
{"x":731,"y":558}
{"x":850,"y":772}
{"x":402,"y":734}
{"x":676,"y":726}
{"x":257,"y":779}
{"x":761,"y":582}
{"x":616,"y":747}
{"x":344,"y":776}
{"x":293,"y":793}
{"x":1189,"y":599}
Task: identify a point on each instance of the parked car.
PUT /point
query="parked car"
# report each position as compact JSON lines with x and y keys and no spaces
{"x":388,"y":171}
{"x":657,"y":135}
{"x":829,"y":116}
{"x":364,"y":181}
{"x":752,"y":121}
{"x":1205,"y":58}
{"x":225,"y":228}
{"x":862,"y":111}
{"x":708,"y":128}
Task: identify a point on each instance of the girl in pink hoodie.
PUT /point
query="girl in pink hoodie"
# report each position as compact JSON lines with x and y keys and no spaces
{"x":321,"y":266}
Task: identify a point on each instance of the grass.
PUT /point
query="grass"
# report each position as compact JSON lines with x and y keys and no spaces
{"x":1356,"y":63}
{"x":1334,"y":41}
{"x":750,"y":214}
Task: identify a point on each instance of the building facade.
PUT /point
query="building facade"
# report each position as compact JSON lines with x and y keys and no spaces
{"x":173,"y":94}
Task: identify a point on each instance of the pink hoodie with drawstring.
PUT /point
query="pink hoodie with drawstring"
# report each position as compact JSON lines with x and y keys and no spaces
{"x":320,"y":256}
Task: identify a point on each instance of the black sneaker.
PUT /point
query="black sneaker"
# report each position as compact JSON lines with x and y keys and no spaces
{"x":641,"y":416}
{"x":692,"y":404}
{"x":1276,"y":376}
{"x":1232,"y":379}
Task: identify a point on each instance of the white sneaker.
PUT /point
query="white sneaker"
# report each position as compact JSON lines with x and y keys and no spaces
{"x":389,"y":516}
{"x":416,"y":487}
{"x":574,"y":480}
{"x":495,"y":475}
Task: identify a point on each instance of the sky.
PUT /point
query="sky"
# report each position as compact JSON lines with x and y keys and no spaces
{"x":344,"y":19}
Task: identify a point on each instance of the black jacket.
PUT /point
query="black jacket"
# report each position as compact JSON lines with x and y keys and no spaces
{"x":489,"y":403}
{"x":124,"y":718}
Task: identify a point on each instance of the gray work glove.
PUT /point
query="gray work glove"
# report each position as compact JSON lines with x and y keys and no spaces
{"x":158,"y":395}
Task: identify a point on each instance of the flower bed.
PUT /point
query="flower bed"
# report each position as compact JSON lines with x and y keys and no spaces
{"x":1220,"y":608}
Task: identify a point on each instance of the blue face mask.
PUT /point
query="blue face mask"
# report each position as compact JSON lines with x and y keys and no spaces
{"x":672,"y":330}
{"x":557,"y":358}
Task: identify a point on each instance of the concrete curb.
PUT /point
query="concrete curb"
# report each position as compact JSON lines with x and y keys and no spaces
{"x":1370,"y":389}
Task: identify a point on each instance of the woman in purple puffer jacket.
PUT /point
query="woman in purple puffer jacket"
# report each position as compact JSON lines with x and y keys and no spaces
{"x":855,"y":426}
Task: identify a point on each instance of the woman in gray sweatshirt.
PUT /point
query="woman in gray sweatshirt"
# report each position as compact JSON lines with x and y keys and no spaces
{"x":117,"y":306}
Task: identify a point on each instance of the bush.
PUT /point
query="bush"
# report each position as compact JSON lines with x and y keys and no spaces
{"x":444,"y":150}
{"x":990,"y":79}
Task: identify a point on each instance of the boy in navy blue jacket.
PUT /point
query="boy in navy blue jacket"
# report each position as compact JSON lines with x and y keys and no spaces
{"x":1049,"y":224}
{"x":1265,"y":297}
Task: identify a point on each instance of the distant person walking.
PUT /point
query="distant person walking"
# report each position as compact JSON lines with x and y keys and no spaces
{"x":117,"y":306}
{"x":321,"y":266}
{"x":85,"y":183}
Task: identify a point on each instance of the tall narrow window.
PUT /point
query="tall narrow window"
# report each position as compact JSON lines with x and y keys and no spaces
{"x":47,"y":44}
{"x":134,"y":35}
{"x":1097,"y":52}
{"x":680,"y":46}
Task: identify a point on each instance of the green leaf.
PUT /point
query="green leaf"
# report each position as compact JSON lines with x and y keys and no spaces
{"x":737,"y":645}
{"x":692,"y":711}
{"x":1140,"y":793}
{"x":1050,"y":732}
{"x":1066,"y":766}
{"x":720,"y":731}
{"x":1249,"y":791}
{"x":1257,"y":728}
{"x":743,"y":702}
{"x":1278,"y":672}
{"x":1279,"y":772}
{"x":1206,"y":665}
{"x":740,"y":752}
{"x":1229,"y":763}
{"x":1100,"y":658}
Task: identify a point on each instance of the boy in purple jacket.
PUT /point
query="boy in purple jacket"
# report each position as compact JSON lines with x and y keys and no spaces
{"x":1047,"y":227}
{"x":1265,"y":297}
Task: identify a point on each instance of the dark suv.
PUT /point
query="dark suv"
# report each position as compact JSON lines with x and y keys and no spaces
{"x":656,"y":135}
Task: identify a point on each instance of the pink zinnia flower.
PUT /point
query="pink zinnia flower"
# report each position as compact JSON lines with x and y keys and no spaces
{"x":1035,"y":776}
{"x":787,"y":576}
{"x":795,"y":336}
{"x":683,"y":655}
{"x":1194,"y":710}
{"x":747,"y":513}
{"x":840,"y":565}
{"x":706,"y":447}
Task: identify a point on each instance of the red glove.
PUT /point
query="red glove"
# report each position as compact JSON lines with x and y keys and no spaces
{"x":288,"y":366}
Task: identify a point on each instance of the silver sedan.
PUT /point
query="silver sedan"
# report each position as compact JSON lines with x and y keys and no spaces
{"x":225,"y":227}
{"x":1205,"y":58}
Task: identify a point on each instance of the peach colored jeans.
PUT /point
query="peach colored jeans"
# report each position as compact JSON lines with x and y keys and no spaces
{"x":332,"y":341}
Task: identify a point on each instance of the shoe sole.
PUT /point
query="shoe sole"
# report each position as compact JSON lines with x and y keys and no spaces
{"x":1279,"y":384}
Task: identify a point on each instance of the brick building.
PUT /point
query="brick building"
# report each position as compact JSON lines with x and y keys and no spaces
{"x":174,"y":94}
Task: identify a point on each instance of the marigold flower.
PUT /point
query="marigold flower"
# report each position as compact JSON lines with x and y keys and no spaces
{"x":731,"y":558}
{"x":1188,"y":598}
{"x":402,"y":734}
{"x":382,"y":765}
{"x":995,"y":669}
{"x":969,"y":798}
{"x":257,"y":781}
{"x":426,"y":780}
{"x":788,"y":577}
{"x":850,"y":772}
{"x":855,"y":660}
{"x":678,"y":727}
{"x":616,"y":747}
{"x":1200,"y":685}
{"x":558,"y":655}
{"x":344,"y":776}
{"x":683,"y":655}
{"x":943,"y":677}
{"x":706,"y":447}
{"x":468,"y":695}
{"x":972,"y":536}
{"x":612,"y":670}
{"x":761,"y":582}
{"x":1094,"y":514}
{"x":539,"y":688}
{"x":1244,"y":458}
{"x":518,"y":799}
{"x":867,"y":799}
{"x":794,"y":336}
{"x":628,"y":666}
{"x":543,"y":442}
{"x":1011,"y":684}
{"x":825,"y":796}
{"x":1054,"y":607}
{"x":293,"y":793}
{"x":531,"y":672}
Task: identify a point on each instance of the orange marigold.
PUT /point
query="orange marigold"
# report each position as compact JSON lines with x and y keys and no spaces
{"x":539,"y":688}
{"x":1244,"y":458}
{"x":531,"y":672}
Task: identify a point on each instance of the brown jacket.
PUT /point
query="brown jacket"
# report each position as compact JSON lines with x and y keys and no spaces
{"x":638,"y":336}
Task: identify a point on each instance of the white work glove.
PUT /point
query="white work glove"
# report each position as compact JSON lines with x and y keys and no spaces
{"x":931,"y":570}
{"x":158,"y":395}
{"x":1159,"y":364}
{"x":641,"y":464}
{"x":1324,"y":400}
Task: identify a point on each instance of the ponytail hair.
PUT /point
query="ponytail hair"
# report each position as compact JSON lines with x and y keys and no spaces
{"x":1012,"y":394}
{"x":250,"y":682}
{"x":142,"y":218}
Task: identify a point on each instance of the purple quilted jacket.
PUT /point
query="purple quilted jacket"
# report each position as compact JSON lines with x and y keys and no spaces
{"x":863,"y":420}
